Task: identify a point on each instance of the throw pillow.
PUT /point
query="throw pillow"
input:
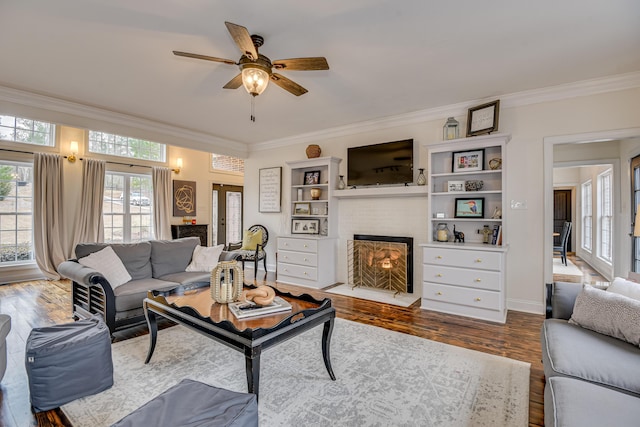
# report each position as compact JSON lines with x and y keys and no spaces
{"x":205,"y":258}
{"x":107,"y":262}
{"x":625,"y":287}
{"x":608,"y":313}
{"x":251,"y":240}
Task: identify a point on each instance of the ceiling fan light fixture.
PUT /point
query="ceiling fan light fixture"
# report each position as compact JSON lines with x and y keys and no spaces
{"x":255,"y":80}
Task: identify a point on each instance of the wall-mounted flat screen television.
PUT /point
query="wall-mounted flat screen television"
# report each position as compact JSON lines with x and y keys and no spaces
{"x":380,"y":164}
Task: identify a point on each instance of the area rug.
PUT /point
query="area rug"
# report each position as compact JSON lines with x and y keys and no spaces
{"x":384,"y":378}
{"x":567,"y":270}
{"x":372,"y":294}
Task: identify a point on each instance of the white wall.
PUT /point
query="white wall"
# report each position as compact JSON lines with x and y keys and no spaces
{"x":528,"y":125}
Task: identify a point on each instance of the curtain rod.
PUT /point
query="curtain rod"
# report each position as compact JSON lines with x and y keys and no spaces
{"x":81,"y":158}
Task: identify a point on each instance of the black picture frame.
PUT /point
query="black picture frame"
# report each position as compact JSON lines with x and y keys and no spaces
{"x":483,"y":118}
{"x":305,"y":226}
{"x":469,"y":207}
{"x":467,"y":161}
{"x":312,"y":178}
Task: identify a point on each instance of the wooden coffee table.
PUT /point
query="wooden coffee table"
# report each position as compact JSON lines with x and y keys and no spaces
{"x":195,"y":309}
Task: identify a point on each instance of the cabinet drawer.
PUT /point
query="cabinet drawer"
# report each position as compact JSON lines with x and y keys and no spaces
{"x":478,"y":279}
{"x":462,"y":296}
{"x":463,"y":258}
{"x":301,"y":245}
{"x":301,"y":271}
{"x":301,"y":258}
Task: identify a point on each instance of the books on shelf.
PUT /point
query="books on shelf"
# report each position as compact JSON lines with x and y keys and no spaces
{"x":244,"y":309}
{"x":497,"y":235}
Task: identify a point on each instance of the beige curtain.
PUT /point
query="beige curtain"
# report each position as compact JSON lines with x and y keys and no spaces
{"x":162,"y":203}
{"x":48,"y":226}
{"x":89,"y":227}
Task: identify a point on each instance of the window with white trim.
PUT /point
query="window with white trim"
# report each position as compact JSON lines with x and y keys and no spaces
{"x":16,"y":213}
{"x":124,"y":146}
{"x":227,"y":163}
{"x":587,"y":217}
{"x":127,"y":207}
{"x":27,"y":131}
{"x":605,"y":216}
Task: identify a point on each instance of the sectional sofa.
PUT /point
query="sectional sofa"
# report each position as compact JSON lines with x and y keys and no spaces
{"x":151,"y":265}
{"x":592,"y":378}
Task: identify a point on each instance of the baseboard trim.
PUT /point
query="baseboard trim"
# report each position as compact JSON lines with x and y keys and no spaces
{"x":526,"y":306}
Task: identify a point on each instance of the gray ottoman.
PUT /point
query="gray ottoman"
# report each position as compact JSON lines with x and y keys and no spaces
{"x":569,"y":403}
{"x":195,"y":404}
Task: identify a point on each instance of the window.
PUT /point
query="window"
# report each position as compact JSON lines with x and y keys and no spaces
{"x":587,"y":217}
{"x":26,"y":131}
{"x":123,"y":146}
{"x":127,"y":207}
{"x":16,"y":207}
{"x":227,"y":163}
{"x":605,"y":216}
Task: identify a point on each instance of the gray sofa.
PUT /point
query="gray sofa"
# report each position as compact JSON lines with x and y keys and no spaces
{"x":152,"y":265}
{"x":591,"y":379}
{"x":5,"y":327}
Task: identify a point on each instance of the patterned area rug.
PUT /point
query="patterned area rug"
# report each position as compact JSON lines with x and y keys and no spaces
{"x":384,"y":378}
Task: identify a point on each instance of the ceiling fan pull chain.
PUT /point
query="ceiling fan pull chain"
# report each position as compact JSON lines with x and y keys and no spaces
{"x":253,"y":109}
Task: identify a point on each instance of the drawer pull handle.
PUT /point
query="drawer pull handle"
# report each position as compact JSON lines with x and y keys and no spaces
{"x":306,"y":259}
{"x":439,"y":257}
{"x":478,"y":260}
{"x":478,"y":280}
{"x":438,"y":293}
{"x":478,"y":299}
{"x":305,"y":246}
{"x":439,"y":275}
{"x":306,"y":274}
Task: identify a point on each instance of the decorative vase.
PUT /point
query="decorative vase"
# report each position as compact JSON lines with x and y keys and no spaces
{"x":313,"y":151}
{"x":227,"y":279}
{"x":315,"y":193}
{"x":341,"y":184}
{"x":442,"y":233}
{"x":422,"y":180}
{"x":451,"y":129}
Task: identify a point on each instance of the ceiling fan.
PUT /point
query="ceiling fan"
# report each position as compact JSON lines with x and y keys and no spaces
{"x":256,"y":69}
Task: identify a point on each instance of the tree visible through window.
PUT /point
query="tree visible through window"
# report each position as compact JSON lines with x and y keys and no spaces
{"x":123,"y":146}
{"x":16,"y":207}
{"x":26,"y":131}
{"x":128,"y":207}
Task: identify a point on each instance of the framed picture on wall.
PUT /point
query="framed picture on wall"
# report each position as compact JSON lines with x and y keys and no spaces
{"x":471,"y":207}
{"x":467,"y":161}
{"x":184,"y":198}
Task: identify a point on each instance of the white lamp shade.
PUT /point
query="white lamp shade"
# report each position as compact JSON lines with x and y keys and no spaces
{"x":73,"y":146}
{"x":179,"y":163}
{"x":255,"y":80}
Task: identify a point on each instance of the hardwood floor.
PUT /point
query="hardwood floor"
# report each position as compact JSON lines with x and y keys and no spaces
{"x":43,"y":303}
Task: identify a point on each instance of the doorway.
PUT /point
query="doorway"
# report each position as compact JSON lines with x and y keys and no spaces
{"x":226,"y":212}
{"x":561,"y":214}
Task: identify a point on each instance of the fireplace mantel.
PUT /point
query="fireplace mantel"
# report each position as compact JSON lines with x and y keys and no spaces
{"x":373,"y":192}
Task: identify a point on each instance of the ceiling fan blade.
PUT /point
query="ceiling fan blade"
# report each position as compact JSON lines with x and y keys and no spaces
{"x":302,"y":64}
{"x":234,"y":83}
{"x":288,"y":85}
{"x":242,"y":38}
{"x":206,"y":58}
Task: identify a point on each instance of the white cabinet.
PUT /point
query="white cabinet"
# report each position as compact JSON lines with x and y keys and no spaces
{"x":467,"y":280}
{"x":307,"y":261}
{"x":307,"y":255}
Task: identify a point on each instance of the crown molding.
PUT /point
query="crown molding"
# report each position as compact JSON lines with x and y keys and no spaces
{"x":198,"y":140}
{"x":534,"y":96}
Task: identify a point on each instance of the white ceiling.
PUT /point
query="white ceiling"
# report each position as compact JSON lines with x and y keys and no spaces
{"x":386,"y":57}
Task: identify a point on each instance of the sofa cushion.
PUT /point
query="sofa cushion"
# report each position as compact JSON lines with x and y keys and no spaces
{"x":563,"y":298}
{"x":136,"y":257}
{"x":608,"y":313}
{"x":205,"y":258}
{"x":106,"y":262}
{"x":130,"y":295}
{"x":625,"y":287}
{"x":569,"y":402}
{"x":172,"y":256}
{"x":572,"y":351}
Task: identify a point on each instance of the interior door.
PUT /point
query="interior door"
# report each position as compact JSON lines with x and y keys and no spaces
{"x":561,"y":213}
{"x":635,"y":197}
{"x":226,"y":214}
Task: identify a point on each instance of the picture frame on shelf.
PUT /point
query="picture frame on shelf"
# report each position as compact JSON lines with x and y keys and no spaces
{"x":301,"y":208}
{"x":305,"y":226}
{"x":454,"y":186}
{"x":469,"y":207}
{"x":312,"y":178}
{"x":483,"y":118}
{"x":467,"y":161}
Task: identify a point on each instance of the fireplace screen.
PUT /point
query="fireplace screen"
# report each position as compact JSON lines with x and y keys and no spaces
{"x":380,"y":265}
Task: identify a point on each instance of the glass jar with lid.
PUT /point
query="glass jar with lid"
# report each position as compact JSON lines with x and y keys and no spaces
{"x":442,"y":233}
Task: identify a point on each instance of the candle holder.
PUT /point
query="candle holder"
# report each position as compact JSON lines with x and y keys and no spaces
{"x":227,"y":280}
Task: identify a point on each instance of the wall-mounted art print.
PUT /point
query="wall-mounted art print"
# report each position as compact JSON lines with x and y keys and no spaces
{"x":270,"y":188}
{"x":184,"y":198}
{"x":483,"y":118}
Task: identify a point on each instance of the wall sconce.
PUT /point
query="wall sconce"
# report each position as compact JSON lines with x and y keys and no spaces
{"x":73,"y":147}
{"x":178,"y":165}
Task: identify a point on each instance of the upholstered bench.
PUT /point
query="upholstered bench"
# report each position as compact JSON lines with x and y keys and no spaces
{"x":192,"y":403}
